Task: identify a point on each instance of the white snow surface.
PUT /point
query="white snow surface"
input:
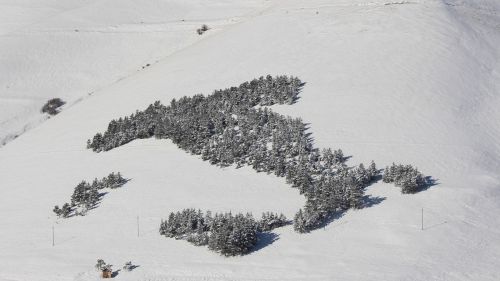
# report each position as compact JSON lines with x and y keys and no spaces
{"x":405,"y":81}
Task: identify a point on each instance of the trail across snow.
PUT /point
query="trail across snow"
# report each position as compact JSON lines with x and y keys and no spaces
{"x":412,"y":83}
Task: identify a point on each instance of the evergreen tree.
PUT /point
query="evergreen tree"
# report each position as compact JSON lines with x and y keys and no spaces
{"x":57,"y":211}
{"x":299,"y":222}
{"x":66,"y":210}
{"x":372,"y":171}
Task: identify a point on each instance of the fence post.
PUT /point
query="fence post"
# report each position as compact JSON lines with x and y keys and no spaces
{"x":422,"y":219}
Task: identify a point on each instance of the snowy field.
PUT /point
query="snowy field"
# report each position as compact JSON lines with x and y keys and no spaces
{"x":74,"y":48}
{"x":414,"y":82}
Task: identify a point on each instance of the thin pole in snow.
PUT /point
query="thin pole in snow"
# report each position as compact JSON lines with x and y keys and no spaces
{"x":53,"y":237}
{"x":137,"y":226}
{"x":422,"y":218}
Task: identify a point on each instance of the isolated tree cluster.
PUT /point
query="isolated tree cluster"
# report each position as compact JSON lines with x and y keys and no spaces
{"x":234,"y":126}
{"x":202,"y":29}
{"x":409,"y":178}
{"x":224,"y":233}
{"x":52,"y":106}
{"x":86,"y":196}
{"x":101,"y":265}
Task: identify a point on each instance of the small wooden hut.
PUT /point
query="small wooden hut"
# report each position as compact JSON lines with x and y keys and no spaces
{"x":106,"y":273}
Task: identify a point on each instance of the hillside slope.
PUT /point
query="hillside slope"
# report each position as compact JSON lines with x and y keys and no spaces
{"x":412,"y":82}
{"x":74,"y":48}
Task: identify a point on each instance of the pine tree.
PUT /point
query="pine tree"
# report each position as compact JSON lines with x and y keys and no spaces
{"x":299,"y":222}
{"x":57,"y":211}
{"x":372,"y":171}
{"x":66,"y":210}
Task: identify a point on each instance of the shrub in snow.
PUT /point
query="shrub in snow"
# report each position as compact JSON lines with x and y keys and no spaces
{"x":52,"y":106}
{"x":105,"y":269}
{"x":128,"y":266}
{"x":202,"y":29}
{"x":101,"y":265}
{"x":57,"y":211}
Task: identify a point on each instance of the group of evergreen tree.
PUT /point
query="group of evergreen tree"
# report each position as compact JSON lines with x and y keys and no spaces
{"x":333,"y":193}
{"x":53,"y":106}
{"x":225,"y":233}
{"x":86,"y":196}
{"x":409,"y":178}
{"x":270,"y":221}
{"x":234,"y":127}
{"x":112,"y":181}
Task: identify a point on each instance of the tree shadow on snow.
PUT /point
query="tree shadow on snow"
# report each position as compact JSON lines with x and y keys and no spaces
{"x":330,"y":218}
{"x":125,"y":181}
{"x":370,"y":201}
{"x":265,"y":239}
{"x":430,"y":182}
{"x":299,"y":90}
{"x":133,"y":267}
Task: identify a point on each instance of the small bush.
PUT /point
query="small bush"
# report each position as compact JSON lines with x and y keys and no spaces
{"x":202,"y":29}
{"x":52,"y":106}
{"x":128,"y":266}
{"x":101,"y":265}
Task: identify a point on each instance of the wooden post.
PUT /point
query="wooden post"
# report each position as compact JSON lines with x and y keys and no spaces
{"x":422,"y":218}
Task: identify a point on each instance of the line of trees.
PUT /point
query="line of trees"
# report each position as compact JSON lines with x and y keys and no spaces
{"x":234,"y":127}
{"x":224,"y":233}
{"x":86,"y":196}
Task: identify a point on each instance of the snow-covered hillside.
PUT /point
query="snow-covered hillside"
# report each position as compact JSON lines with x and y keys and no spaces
{"x":75,"y":48}
{"x":405,"y":81}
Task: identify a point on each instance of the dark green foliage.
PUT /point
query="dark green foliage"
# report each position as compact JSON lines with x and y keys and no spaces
{"x":232,"y":235}
{"x":111,"y":181}
{"x":102,"y":266}
{"x":86,"y":196}
{"x":225,"y":233}
{"x":66,"y":210}
{"x":226,"y":128}
{"x":202,"y":29}
{"x":52,"y":106}
{"x":57,"y":210}
{"x":270,"y":221}
{"x":299,"y":222}
{"x":405,"y":176}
